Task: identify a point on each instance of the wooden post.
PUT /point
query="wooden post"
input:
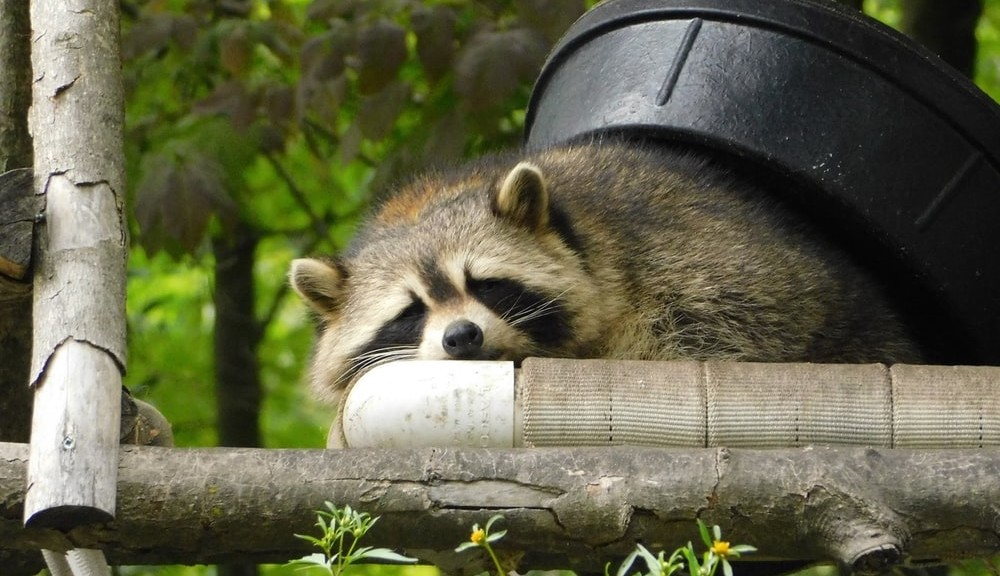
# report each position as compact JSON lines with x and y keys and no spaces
{"x":79,"y":291}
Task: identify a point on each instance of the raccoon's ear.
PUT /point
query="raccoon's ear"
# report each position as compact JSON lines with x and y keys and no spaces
{"x":523,"y":198}
{"x":319,"y":282}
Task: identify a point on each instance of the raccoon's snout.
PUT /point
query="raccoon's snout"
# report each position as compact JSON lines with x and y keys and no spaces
{"x":463,"y":339}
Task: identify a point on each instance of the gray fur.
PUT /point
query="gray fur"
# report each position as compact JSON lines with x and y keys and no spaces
{"x":652,"y":254}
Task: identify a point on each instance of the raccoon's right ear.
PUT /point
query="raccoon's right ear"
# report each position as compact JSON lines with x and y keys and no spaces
{"x":319,"y":282}
{"x":523,"y":198}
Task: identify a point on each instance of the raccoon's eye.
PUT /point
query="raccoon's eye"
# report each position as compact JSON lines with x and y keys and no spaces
{"x":496,"y":293}
{"x":414,"y":311}
{"x":484,"y":286}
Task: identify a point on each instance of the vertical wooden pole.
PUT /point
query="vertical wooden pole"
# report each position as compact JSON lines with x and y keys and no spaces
{"x":79,"y":293}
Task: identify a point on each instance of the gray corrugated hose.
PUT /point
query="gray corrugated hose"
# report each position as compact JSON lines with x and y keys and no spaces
{"x":554,"y":402}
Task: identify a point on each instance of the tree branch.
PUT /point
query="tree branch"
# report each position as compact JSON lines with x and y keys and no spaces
{"x":570,"y":508}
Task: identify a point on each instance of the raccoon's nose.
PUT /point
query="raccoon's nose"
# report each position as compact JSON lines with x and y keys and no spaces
{"x":462,"y":339}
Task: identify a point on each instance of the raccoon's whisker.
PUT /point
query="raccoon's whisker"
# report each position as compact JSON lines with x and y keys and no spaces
{"x":372,"y":358}
{"x":545,"y":308}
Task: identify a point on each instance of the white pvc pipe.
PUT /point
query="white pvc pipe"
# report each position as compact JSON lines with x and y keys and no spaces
{"x":686,"y":404}
{"x":432,"y":403}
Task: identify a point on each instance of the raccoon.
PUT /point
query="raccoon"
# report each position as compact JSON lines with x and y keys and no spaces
{"x":598,"y":250}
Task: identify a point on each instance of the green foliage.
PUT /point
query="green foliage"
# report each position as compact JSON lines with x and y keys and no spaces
{"x":718,"y":553}
{"x":484,"y":538}
{"x":988,"y":64}
{"x":341,"y":531}
{"x":287,"y":117}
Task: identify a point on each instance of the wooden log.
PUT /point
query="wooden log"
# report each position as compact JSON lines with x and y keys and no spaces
{"x":570,"y":508}
{"x":78,"y":348}
{"x":71,"y":476}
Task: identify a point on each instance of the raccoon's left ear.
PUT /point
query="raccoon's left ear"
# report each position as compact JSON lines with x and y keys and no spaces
{"x":523,"y":198}
{"x":318,"y":282}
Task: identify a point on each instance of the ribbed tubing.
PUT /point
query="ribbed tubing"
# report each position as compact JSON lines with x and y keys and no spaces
{"x":711,"y":404}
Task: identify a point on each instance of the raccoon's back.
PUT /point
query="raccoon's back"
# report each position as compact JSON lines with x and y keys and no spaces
{"x":712,"y":265}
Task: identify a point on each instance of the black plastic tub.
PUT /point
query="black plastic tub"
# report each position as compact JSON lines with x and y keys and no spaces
{"x":879,"y":140}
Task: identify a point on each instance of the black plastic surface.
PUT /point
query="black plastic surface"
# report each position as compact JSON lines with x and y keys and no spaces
{"x":886,"y":143}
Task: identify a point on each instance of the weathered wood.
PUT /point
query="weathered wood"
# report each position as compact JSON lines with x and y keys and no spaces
{"x":15,"y":152}
{"x":571,"y":508}
{"x":18,"y":208}
{"x":73,"y":451}
{"x":15,"y":85}
{"x":78,"y":348}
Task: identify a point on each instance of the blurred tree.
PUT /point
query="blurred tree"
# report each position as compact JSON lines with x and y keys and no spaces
{"x":947,"y":28}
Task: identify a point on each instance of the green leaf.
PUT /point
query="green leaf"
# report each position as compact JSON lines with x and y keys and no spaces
{"x":652,"y":562}
{"x":494,"y":64}
{"x":496,"y":536}
{"x":694,"y":567}
{"x":703,"y":530}
{"x":307,"y":538}
{"x":379,"y":111}
{"x":550,"y":17}
{"x":312,"y":561}
{"x":387,"y":555}
{"x":381,"y":53}
{"x":491,"y":521}
{"x":627,"y":563}
{"x":435,"y":31}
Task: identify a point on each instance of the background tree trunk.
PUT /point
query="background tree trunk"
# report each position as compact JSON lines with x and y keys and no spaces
{"x":237,"y":334}
{"x":15,"y":152}
{"x":946,"y":27}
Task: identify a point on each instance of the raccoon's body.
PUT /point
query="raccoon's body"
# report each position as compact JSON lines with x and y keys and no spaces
{"x":591,"y":251}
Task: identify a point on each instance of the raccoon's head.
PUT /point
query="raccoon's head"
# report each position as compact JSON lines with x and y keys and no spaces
{"x":469,"y":269}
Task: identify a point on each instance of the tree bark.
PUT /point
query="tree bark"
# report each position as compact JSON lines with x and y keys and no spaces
{"x":570,"y":508}
{"x":78,"y":344}
{"x":947,"y":28}
{"x":15,"y":152}
{"x":237,"y":375}
{"x":15,"y":85}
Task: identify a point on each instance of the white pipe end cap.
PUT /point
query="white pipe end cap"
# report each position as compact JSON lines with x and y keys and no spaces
{"x":439,"y":403}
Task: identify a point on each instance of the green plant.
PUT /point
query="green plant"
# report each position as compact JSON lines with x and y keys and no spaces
{"x":718,"y":553}
{"x":342,"y":529}
{"x":483,"y":538}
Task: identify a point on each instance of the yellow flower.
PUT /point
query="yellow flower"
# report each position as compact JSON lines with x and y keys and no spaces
{"x":478,"y":536}
{"x":721,"y":548}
